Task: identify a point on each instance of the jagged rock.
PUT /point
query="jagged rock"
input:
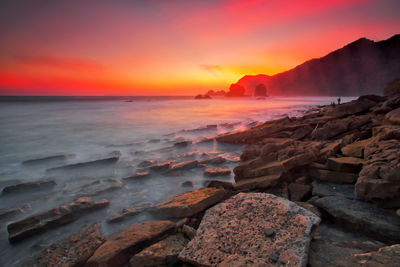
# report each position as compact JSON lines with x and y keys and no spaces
{"x":257,"y":183}
{"x":45,"y":160}
{"x":72,"y":251}
{"x":88,"y":164}
{"x":298,"y":191}
{"x":129,"y":212}
{"x":119,"y":247}
{"x":385,"y":257}
{"x":28,"y":187}
{"x":362,"y":216}
{"x":190,"y":203}
{"x":212,"y":172}
{"x":218,"y":184}
{"x":187,"y":184}
{"x":379,"y":177}
{"x":323,"y":189}
{"x":356,"y":149}
{"x":163,"y":253}
{"x":53,"y":218}
{"x":394,"y":116}
{"x":215,"y":160}
{"x":345,"y":164}
{"x":330,"y":243}
{"x":237,"y":228}
{"x":137,"y":175}
{"x":161,"y":166}
{"x":185,"y":165}
{"x":333,"y":176}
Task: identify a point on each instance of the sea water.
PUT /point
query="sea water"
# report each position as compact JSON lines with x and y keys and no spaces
{"x":135,"y":129}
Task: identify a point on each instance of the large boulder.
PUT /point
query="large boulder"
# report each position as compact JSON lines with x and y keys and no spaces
{"x":236,"y":90}
{"x":392,"y":88}
{"x":380,"y":175}
{"x":72,"y":251}
{"x":119,"y":247}
{"x":53,"y":218}
{"x":254,"y":227}
{"x":356,"y":149}
{"x":190,"y":203}
{"x":393,"y":116}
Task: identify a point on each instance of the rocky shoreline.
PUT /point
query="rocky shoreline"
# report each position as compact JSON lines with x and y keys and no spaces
{"x":319,"y":190}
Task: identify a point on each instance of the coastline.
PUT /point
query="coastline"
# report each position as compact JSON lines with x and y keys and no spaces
{"x":322,"y":162}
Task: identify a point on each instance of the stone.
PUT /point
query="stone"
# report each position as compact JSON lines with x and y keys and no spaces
{"x":379,"y":177}
{"x":183,"y":144}
{"x":386,"y":132}
{"x":385,"y":257}
{"x":10,"y":212}
{"x":345,"y":164}
{"x":185,"y":165}
{"x":362,"y":216}
{"x":45,"y":160}
{"x":161,"y":166}
{"x":53,"y":218}
{"x":231,"y":156}
{"x":129,"y":212}
{"x":215,"y":160}
{"x":356,"y":149}
{"x":310,"y":207}
{"x":331,"y":149}
{"x":330,"y":243}
{"x":324,"y":189}
{"x":393,"y":116}
{"x":392,"y":88}
{"x":212,"y":172}
{"x":98,"y":187}
{"x":333,"y":176}
{"x":257,"y":183}
{"x":187,"y":184}
{"x":188,"y":231}
{"x":236,"y":228}
{"x":189,"y":203}
{"x":137,"y":175}
{"x":297,"y":192}
{"x":146,"y":163}
{"x":88,"y":164}
{"x":162,"y":253}
{"x":119,"y":247}
{"x":218,"y":184}
{"x":28,"y":187}
{"x":72,"y":251}
{"x":359,"y":106}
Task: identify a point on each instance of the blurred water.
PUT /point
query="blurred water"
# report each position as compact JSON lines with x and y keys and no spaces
{"x":146,"y":128}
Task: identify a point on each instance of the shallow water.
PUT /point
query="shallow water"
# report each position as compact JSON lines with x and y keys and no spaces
{"x":146,"y":128}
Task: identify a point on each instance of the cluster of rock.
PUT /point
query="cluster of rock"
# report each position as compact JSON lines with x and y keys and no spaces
{"x":320,"y":190}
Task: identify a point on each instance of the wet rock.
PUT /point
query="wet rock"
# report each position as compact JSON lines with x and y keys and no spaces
{"x":119,"y":247}
{"x":146,"y":163}
{"x":324,"y":189}
{"x":161,"y":166}
{"x":200,"y":129}
{"x":189,"y":231}
{"x":98,"y":187}
{"x":163,"y":253}
{"x":362,"y":216}
{"x":297,"y":192}
{"x":187,"y":184}
{"x":231,"y":156}
{"x":331,"y":243}
{"x":137,"y":175}
{"x":215,"y":160}
{"x":333,"y":176}
{"x":218,"y":184}
{"x":88,"y":164}
{"x":28,"y":187}
{"x":183,"y":144}
{"x":379,"y":177}
{"x":257,"y":183}
{"x":7,"y":213}
{"x":53,"y":218}
{"x":190,"y":203}
{"x":356,"y":149}
{"x":235,"y":228}
{"x":129,"y":212}
{"x":393,"y":116}
{"x":185,"y":165}
{"x":385,"y":257}
{"x":45,"y":160}
{"x":72,"y":251}
{"x":212,"y":172}
{"x":256,"y":168}
{"x":345,"y":164}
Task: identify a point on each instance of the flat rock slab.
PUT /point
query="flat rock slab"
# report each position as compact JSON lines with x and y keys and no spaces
{"x":257,"y":183}
{"x":362,"y":216}
{"x":53,"y":218}
{"x":185,"y":165}
{"x":215,"y":160}
{"x":218,"y":184}
{"x":252,"y":227}
{"x":190,"y":203}
{"x":129,"y":212}
{"x":162,"y":166}
{"x":137,"y":175}
{"x":333,"y":176}
{"x":88,"y":164}
{"x":384,"y":257}
{"x":345,"y":164}
{"x":212,"y":172}
{"x":72,"y":251}
{"x":119,"y":247}
{"x":163,"y":253}
{"x":28,"y":187}
{"x":45,"y":160}
{"x":356,"y":149}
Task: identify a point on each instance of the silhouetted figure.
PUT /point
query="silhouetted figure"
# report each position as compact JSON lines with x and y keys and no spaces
{"x":338,"y":101}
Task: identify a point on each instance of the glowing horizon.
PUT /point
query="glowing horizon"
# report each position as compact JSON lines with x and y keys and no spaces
{"x":180,"y":48}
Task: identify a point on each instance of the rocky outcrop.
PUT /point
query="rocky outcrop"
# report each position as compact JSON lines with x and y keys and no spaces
{"x":345,"y":164}
{"x":253,"y":226}
{"x":394,"y":116}
{"x":235,"y":90}
{"x":392,"y":88}
{"x":53,"y":218}
{"x":213,"y":172}
{"x":119,"y":247}
{"x":129,"y":212}
{"x":190,"y":203}
{"x":260,"y":90}
{"x":72,"y":251}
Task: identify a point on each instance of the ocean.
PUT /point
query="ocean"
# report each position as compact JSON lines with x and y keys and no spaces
{"x":132,"y":128}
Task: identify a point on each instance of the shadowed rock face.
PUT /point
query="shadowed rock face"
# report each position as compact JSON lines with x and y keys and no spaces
{"x":254,"y":226}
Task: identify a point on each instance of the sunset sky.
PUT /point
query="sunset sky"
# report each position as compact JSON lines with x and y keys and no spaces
{"x":174,"y":47}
